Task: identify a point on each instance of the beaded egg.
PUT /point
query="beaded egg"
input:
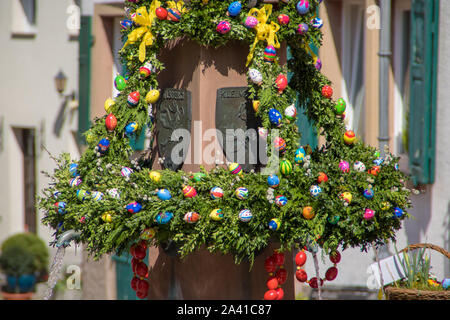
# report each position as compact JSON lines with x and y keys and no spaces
{"x":173,"y":15}
{"x":290,"y":112}
{"x":234,"y":8}
{"x":250,"y":22}
{"x":302,"y":28}
{"x":302,"y":7}
{"x":315,"y":190}
{"x":283,"y":19}
{"x":241,"y":193}
{"x":111,"y":122}
{"x":281,"y":201}
{"x":82,"y":194}
{"x":359,"y":166}
{"x":133,"y":207}
{"x":216,"y":214}
{"x":273,"y":181}
{"x":61,"y":207}
{"x":274,"y":224}
{"x":368,"y":193}
{"x":245,"y":215}
{"x":164,"y":194}
{"x":131,"y":128}
{"x":120,"y":82}
{"x":223,"y":27}
{"x":279,"y":145}
{"x":96,"y":195}
{"x":344,"y":166}
{"x":368,"y":214}
{"x":216,"y":193}
{"x":340,"y":106}
{"x":164,"y":217}
{"x":327,"y":91}
{"x":73,"y":169}
{"x":349,"y":137}
{"x":191,"y":217}
{"x":270,"y":54}
{"x":126,"y":171}
{"x":74,"y":182}
{"x":133,"y":98}
{"x":255,"y":76}
{"x":286,"y":167}
{"x":103,"y":145}
{"x":275,"y":117}
{"x":189,"y":191}
{"x":235,"y":168}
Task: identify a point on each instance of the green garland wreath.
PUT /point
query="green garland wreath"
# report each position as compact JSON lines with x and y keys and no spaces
{"x":97,"y":208}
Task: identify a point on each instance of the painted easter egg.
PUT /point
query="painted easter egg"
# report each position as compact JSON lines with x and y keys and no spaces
{"x":155,"y":176}
{"x":73,"y":169}
{"x":340,"y":106}
{"x":250,"y":22}
{"x":281,"y":201}
{"x":152,"y":96}
{"x":374,"y":170}
{"x":274,"y":224}
{"x":281,"y":83}
{"x":191,"y":217}
{"x":322,"y":177}
{"x":164,"y":217}
{"x":398,"y":212}
{"x":255,"y":76}
{"x":273,"y":181}
{"x":279,"y":145}
{"x":145,"y":70}
{"x":235,"y":168}
{"x":113,"y":193}
{"x":234,"y":8}
{"x":126,"y":171}
{"x":327,"y":92}
{"x":216,"y":214}
{"x":161,"y":13}
{"x":378,"y":161}
{"x":286,"y":167}
{"x":148,"y":234}
{"x":302,"y":7}
{"x":359,"y":166}
{"x":96,"y":195}
{"x":263,"y":133}
{"x":315,"y":190}
{"x":241,"y":193}
{"x":133,"y":207}
{"x":349,"y":137}
{"x":133,"y":98}
{"x":346,"y":197}
{"x":189,"y":191}
{"x":333,"y":220}
{"x":111,"y":122}
{"x":270,"y":54}
{"x":109,"y":103}
{"x":302,"y":28}
{"x":103,"y":145}
{"x":173,"y":15}
{"x":75,"y":182}
{"x":308,"y":213}
{"x":300,"y":155}
{"x":245,"y":215}
{"x":216,"y":193}
{"x":164,"y":194}
{"x":317,"y":23}
{"x":344,"y":166}
{"x":368,"y":214}
{"x":61,"y":207}
{"x":126,"y":24}
{"x":82,"y":194}
{"x":290,"y":112}
{"x":368,"y":193}
{"x":275,"y":117}
{"x":131,"y":128}
{"x":283,"y":19}
{"x":107,"y":216}
{"x":223,"y":27}
{"x":120,"y":82}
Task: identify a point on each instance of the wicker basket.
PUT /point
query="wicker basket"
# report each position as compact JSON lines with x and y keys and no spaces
{"x":394,"y":293}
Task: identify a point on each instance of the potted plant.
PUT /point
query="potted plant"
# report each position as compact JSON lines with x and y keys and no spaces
{"x":24,"y":260}
{"x":418,"y":283}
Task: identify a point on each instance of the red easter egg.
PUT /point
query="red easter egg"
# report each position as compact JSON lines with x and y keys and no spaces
{"x":142,"y":285}
{"x":283,"y":19}
{"x":142,"y":294}
{"x":281,"y":83}
{"x":141,"y":269}
{"x":138,"y":251}
{"x":374,"y":170}
{"x":161,"y":13}
{"x":111,"y":122}
{"x":335,"y":257}
{"x":322,"y":177}
{"x":270,"y":295}
{"x":327,"y":92}
{"x":279,"y":258}
{"x":281,"y":275}
{"x":134,"y":282}
{"x":280,"y":293}
{"x":301,"y":275}
{"x":270,"y":264}
{"x":300,"y":258}
{"x":272,"y":283}
{"x":134,"y":262}
{"x":331,"y":273}
{"x":313,"y":283}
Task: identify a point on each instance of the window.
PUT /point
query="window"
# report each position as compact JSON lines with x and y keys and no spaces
{"x":24,"y":17}
{"x":353,"y":63}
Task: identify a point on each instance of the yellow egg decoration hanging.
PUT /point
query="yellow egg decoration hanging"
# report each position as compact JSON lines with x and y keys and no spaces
{"x":155,"y":176}
{"x":152,"y":96}
{"x":108,"y":104}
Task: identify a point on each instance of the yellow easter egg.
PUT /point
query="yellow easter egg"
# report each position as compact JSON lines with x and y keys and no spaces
{"x":256,"y":105}
{"x":152,"y":96}
{"x":107,"y":216}
{"x":155,"y":176}
{"x":108,"y":104}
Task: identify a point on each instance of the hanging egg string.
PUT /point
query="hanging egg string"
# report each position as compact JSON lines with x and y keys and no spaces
{"x":330,"y":274}
{"x":139,"y":282}
{"x":274,"y":265}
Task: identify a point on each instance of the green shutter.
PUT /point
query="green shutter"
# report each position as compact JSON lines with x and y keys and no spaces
{"x":124,"y":274}
{"x":85,"y":40}
{"x":137,"y":142}
{"x":422,"y":109}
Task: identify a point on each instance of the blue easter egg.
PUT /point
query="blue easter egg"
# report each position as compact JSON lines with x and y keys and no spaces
{"x":378,"y":161}
{"x":245,"y":215}
{"x":446,"y":283}
{"x":302,"y":7}
{"x":164,"y":217}
{"x":61,"y":207}
{"x":281,"y":201}
{"x":97,"y":195}
{"x":73,"y":169}
{"x":126,"y":24}
{"x":275,"y":116}
{"x":164,"y":194}
{"x":368,"y":193}
{"x":398,"y":212}
{"x":274,"y":224}
{"x":234,"y":8}
{"x":131,"y":128}
{"x":317,"y":23}
{"x":273,"y":181}
{"x":133,"y":207}
{"x":103,"y":145}
{"x":315,"y":190}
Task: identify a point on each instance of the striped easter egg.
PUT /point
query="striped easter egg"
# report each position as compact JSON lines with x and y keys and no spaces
{"x":191,"y":217}
{"x":241,"y":193}
{"x":270,"y":54}
{"x":189,"y":192}
{"x":126,"y":172}
{"x":75,"y":182}
{"x":173,"y":15}
{"x":245,"y":215}
{"x":286,"y":167}
{"x":279,"y":145}
{"x":235,"y":168}
{"x":97,"y":195}
{"x":216,"y":193}
{"x":281,"y":201}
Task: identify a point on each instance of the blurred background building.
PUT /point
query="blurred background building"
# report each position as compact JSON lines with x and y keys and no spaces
{"x":60,"y":59}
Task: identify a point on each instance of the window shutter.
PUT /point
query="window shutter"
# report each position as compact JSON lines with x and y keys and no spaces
{"x":422,"y":114}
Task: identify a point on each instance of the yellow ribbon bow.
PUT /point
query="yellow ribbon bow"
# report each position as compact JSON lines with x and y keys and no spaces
{"x":145,"y":20}
{"x":264,"y":31}
{"x":177,"y":5}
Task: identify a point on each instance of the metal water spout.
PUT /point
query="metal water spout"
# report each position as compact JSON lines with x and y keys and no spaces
{"x":67,"y":237}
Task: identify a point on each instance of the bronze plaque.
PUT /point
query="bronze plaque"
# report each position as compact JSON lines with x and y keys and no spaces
{"x":173,"y":127}
{"x":237,"y":127}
